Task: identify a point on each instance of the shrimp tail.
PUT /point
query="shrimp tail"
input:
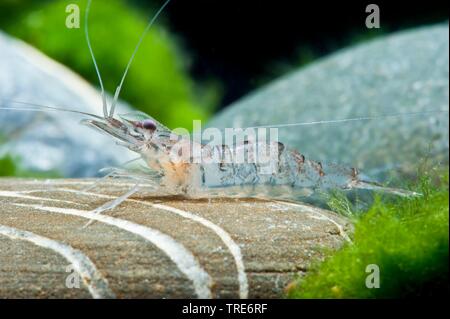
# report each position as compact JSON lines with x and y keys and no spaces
{"x":361,"y":184}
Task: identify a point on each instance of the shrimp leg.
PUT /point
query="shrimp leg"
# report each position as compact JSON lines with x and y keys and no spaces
{"x":114,"y":203}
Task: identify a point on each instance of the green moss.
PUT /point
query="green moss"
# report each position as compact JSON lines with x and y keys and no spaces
{"x":158,"y":82}
{"x":7,"y":166}
{"x":10,"y":166}
{"x":408,"y":239}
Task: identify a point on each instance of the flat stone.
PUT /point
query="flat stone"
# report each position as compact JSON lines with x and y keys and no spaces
{"x":400,"y":73}
{"x":219,"y":248}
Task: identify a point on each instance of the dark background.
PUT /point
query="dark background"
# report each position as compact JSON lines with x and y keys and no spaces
{"x":244,"y":41}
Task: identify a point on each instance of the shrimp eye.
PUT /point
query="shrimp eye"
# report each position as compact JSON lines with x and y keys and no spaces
{"x":148,"y":125}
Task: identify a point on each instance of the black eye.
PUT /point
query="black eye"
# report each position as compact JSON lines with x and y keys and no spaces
{"x":149,"y":125}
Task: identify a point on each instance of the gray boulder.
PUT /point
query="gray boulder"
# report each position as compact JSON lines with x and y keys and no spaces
{"x":404,"y":72}
{"x":50,"y":141}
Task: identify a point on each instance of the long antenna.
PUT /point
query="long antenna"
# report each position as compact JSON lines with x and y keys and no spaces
{"x":353,"y":119}
{"x":33,"y":107}
{"x":149,"y":25}
{"x":86,"y":32}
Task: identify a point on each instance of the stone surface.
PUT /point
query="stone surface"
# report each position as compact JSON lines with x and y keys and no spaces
{"x":233,"y":242}
{"x":404,"y":72}
{"x":50,"y":141}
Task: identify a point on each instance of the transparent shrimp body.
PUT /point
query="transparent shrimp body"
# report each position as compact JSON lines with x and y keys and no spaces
{"x":283,"y":169}
{"x":178,"y":165}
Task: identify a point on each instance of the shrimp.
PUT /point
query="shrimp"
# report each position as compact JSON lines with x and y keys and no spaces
{"x":215,"y":171}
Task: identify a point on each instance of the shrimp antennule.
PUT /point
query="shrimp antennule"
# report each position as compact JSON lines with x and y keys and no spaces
{"x":86,"y":32}
{"x":119,"y":87}
{"x":141,"y":39}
